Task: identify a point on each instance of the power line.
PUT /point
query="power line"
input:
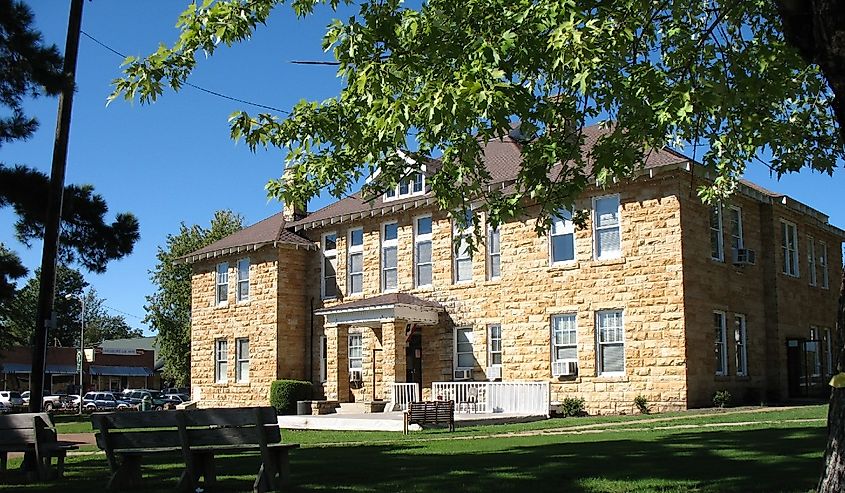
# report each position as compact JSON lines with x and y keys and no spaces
{"x":122,"y":312}
{"x":199,"y":88}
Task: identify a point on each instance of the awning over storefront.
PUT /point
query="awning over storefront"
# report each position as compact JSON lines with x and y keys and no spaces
{"x":383,"y":308}
{"x":27,"y":368}
{"x":121,"y":371}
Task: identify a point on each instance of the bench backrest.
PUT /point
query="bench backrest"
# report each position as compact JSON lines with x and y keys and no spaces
{"x":156,"y":429}
{"x":431,"y":411}
{"x":26,"y":428}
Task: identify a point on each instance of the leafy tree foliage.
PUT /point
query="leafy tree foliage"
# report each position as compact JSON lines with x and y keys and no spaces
{"x":169,"y":308}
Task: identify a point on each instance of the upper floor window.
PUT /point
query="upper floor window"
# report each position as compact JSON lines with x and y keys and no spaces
{"x":242,"y":360}
{"x":463,"y":256}
{"x":737,"y":239}
{"x":389,"y":241}
{"x":564,"y":344}
{"x":606,"y":225}
{"x":789,"y":248}
{"x":413,"y":184}
{"x":356,"y":261}
{"x":422,"y":251}
{"x":494,"y":255}
{"x":823,"y":264}
{"x":221,"y":360}
{"x":611,"y":342}
{"x":464,"y":357}
{"x":740,"y":339}
{"x":811,"y":260}
{"x":243,"y":279}
{"x":494,"y":345}
{"x":717,"y":250}
{"x":721,"y":347}
{"x":562,"y":241}
{"x":328,"y":286}
{"x":222,"y":283}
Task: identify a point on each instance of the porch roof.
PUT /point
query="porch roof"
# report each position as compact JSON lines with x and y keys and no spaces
{"x":383,"y":308}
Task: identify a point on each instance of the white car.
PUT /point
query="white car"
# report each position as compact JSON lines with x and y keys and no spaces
{"x":11,"y":397}
{"x":5,"y":408}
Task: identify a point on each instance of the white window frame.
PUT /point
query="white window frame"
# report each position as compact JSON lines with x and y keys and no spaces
{"x":353,"y":337}
{"x":238,"y":294}
{"x":596,"y":228}
{"x":567,"y":228}
{"x":456,"y":353}
{"x":555,"y":346}
{"x":491,"y":352}
{"x":491,"y":255}
{"x":354,"y":250}
{"x":221,"y":360}
{"x":241,"y":360}
{"x":741,"y":344}
{"x":790,"y":257}
{"x":719,"y":230}
{"x":221,"y":278}
{"x":331,"y":257}
{"x":324,"y":359}
{"x":458,"y":247}
{"x":385,"y":245}
{"x":721,"y":343}
{"x":738,"y":239}
{"x":418,"y":240}
{"x":599,"y":344}
{"x":823,"y":263}
{"x":411,"y":180}
{"x":815,"y":336}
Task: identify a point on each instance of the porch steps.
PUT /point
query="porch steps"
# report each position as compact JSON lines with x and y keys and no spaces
{"x":350,"y":408}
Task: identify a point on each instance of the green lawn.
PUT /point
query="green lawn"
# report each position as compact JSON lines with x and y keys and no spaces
{"x":780,"y":451}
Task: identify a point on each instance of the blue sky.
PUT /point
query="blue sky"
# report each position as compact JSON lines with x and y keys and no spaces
{"x":173,"y":161}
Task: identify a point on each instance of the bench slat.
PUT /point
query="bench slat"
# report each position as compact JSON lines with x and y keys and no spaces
{"x":193,"y":417}
{"x":17,"y":436}
{"x":22,"y":421}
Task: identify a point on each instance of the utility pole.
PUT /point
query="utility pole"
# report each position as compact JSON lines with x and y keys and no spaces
{"x":45,"y":318}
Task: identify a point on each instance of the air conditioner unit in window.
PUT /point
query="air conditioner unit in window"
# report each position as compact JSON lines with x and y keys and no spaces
{"x":462,"y":375}
{"x":565,"y":368}
{"x":494,"y":372}
{"x":744,"y":256}
{"x":356,"y":376}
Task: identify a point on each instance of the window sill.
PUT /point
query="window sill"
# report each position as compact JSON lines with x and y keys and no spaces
{"x":611,"y":378}
{"x":722,"y":378}
{"x":221,"y":305}
{"x":241,"y":384}
{"x":243,"y":303}
{"x":570,"y":265}
{"x":566,"y":379}
{"x":220,"y":384}
{"x":599,"y":262}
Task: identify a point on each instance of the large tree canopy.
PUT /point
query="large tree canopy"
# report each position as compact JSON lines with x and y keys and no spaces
{"x":169,"y":308}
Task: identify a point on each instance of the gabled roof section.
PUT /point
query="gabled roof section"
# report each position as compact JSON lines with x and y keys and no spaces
{"x":270,"y":231}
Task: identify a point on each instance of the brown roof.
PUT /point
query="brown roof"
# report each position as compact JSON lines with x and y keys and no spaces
{"x":270,"y":230}
{"x":383,"y":300}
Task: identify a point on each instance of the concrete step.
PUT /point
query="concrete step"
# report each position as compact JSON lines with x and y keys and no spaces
{"x":350,"y":408}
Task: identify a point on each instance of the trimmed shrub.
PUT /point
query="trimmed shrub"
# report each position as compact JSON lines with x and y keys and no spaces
{"x":285,"y":393}
{"x":722,"y":398}
{"x":573,"y":406}
{"x":642,"y":404}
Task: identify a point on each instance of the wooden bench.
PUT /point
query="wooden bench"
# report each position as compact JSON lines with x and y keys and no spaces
{"x":430,"y":412}
{"x":197,"y":435}
{"x":33,"y":434}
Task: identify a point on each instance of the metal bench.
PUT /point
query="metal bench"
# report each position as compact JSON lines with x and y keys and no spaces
{"x":197,"y":435}
{"x":35,"y":435}
{"x":430,"y":412}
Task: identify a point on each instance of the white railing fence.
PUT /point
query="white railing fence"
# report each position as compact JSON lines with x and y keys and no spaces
{"x":530,"y":398}
{"x":402,"y":394}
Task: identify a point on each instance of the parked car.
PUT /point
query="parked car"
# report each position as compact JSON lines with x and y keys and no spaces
{"x":176,"y":390}
{"x":178,"y":398}
{"x":156,"y":399}
{"x":49,"y":401}
{"x":5,"y":408}
{"x":12,"y":398}
{"x":98,"y":401}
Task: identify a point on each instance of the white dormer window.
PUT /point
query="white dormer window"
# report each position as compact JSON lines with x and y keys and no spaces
{"x":413,"y":184}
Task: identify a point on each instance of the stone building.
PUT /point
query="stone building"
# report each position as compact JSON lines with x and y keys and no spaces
{"x":658,"y":295}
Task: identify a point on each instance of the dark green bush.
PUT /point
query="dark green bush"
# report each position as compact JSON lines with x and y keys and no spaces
{"x":722,"y":398}
{"x":642,"y":404}
{"x":572,"y":406}
{"x":285,"y":393}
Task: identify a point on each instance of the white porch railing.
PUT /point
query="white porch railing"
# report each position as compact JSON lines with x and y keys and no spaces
{"x":531,"y":398}
{"x":403,"y":394}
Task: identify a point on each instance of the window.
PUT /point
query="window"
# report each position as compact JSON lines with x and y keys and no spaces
{"x":328,"y":287}
{"x":720,"y":346}
{"x":811,"y":260}
{"x":222,"y":283}
{"x":607,"y":228}
{"x":737,"y":239}
{"x":463,"y":256}
{"x":324,"y":358}
{"x":389,"y":239}
{"x":356,"y":261}
{"x":562,"y":241}
{"x":413,"y":184}
{"x":611,"y":341}
{"x":221,"y":360}
{"x":823,"y":264}
{"x":789,"y":247}
{"x":564,"y":342}
{"x":422,"y":251}
{"x":494,"y":254}
{"x":740,"y":339}
{"x":494,"y":345}
{"x":828,"y":344}
{"x":356,"y":353}
{"x":717,"y":251}
{"x":243,"y":279}
{"x":242,"y":360}
{"x":464,"y":358}
{"x":813,"y":349}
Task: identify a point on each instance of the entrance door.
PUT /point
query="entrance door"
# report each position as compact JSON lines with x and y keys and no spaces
{"x":413,"y":359}
{"x":804,"y":364}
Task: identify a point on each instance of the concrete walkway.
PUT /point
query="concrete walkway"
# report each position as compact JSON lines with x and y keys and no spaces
{"x":390,"y":421}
